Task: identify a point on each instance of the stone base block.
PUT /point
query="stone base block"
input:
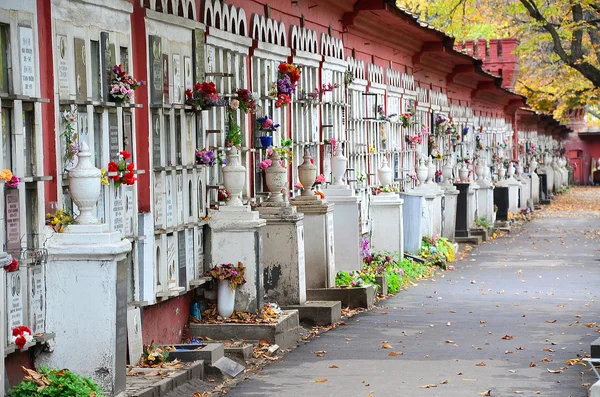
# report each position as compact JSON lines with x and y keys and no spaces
{"x":319,"y":312}
{"x":285,"y":332}
{"x":382,"y":287}
{"x":209,"y":353}
{"x":595,"y":348}
{"x":469,"y":240}
{"x":142,"y":386}
{"x":595,"y":390}
{"x":354,"y":298}
{"x":243,"y":352}
{"x":484,"y":233}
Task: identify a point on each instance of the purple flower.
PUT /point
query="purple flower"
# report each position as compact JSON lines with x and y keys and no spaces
{"x":285,"y":86}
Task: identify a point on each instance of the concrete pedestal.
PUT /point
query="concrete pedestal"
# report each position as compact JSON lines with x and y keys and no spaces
{"x":86,"y":302}
{"x":346,"y":226}
{"x":235,"y":236}
{"x":513,"y":195}
{"x":283,"y":253}
{"x":473,"y":204}
{"x":431,"y":221}
{"x":319,"y":240}
{"x":549,"y":179}
{"x":411,"y":221}
{"x":485,"y":202}
{"x":449,"y":201}
{"x":462,"y":210}
{"x":525,"y":192}
{"x":387,"y":233}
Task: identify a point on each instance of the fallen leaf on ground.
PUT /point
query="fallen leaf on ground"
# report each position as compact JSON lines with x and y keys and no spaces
{"x":333,"y":366}
{"x":507,"y":337}
{"x":321,"y":380}
{"x":532,"y":364}
{"x":486,"y":393}
{"x":480,"y":364}
{"x":444,"y":382}
{"x":449,"y":341}
{"x":554,"y":371}
{"x":427,"y":386}
{"x":395,"y":354}
{"x":386,"y":346}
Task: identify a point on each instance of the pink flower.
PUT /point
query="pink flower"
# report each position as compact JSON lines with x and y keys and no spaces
{"x":320,"y":179}
{"x":265,"y":164}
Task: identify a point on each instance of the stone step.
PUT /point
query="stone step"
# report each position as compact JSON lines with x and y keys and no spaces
{"x":354,"y":298}
{"x":318,"y":312}
{"x":284,"y":332}
{"x":243,"y":352}
{"x":153,"y":386}
{"x":476,"y":240}
{"x":484,"y":233}
{"x":209,"y":352}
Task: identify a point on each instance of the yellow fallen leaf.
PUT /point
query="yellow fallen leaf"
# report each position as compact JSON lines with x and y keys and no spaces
{"x":333,"y":366}
{"x":395,"y":354}
{"x":507,"y":337}
{"x":321,"y":380}
{"x":444,"y":382}
{"x":386,"y":346}
{"x":480,"y":364}
{"x":532,"y":364}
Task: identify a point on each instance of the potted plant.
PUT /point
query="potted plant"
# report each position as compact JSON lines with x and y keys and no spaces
{"x":267,"y":127}
{"x":229,"y":277}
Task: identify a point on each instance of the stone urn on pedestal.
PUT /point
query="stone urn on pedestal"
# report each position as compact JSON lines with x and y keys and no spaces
{"x":422,"y":172}
{"x":520,"y":170}
{"x":430,"y":171}
{"x":307,"y":173}
{"x":447,"y":172}
{"x":533,"y":164}
{"x":234,"y":178}
{"x":479,"y":170}
{"x":276,"y":178}
{"x":463,"y":173}
{"x":338,"y":167}
{"x":511,"y":170}
{"x":501,"y":172}
{"x":85,"y":186}
{"x":384,"y":173}
{"x":487,"y":174}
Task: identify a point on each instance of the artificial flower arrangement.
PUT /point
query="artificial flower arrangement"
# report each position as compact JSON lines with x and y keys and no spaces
{"x":465,"y":159}
{"x":497,"y":158}
{"x":246,"y":101}
{"x":104,"y":176}
{"x":414,"y":140}
{"x":202,"y":96}
{"x":59,"y":220}
{"x":234,"y":135}
{"x":223,"y":194}
{"x":125,"y":172}
{"x":406,"y":118}
{"x":333,"y":143}
{"x":386,"y":189}
{"x":361,"y":176}
{"x":230,"y":272}
{"x":437,"y":155}
{"x":154,"y":355}
{"x":438,"y":175}
{"x":320,"y":179}
{"x":348,"y":78}
{"x":13,"y":266}
{"x":531,"y":149}
{"x":317,"y":95}
{"x":12,"y":181}
{"x":382,"y":116}
{"x":371,"y":149}
{"x":446,"y":126}
{"x":287,"y":81}
{"x":266,"y":123}
{"x":71,"y":146}
{"x":478,"y":142}
{"x":123,"y":85}
{"x":504,"y":142}
{"x":298,"y":186}
{"x":412,"y":175}
{"x":21,"y":336}
{"x":205,"y":157}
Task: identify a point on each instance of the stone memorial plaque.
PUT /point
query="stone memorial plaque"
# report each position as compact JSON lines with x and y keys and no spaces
{"x":113,"y":137}
{"x":156,"y":141}
{"x":105,"y":65}
{"x":176,"y":78}
{"x":189,"y":256}
{"x":198,"y":51}
{"x":12,"y":218}
{"x":172,"y":269}
{"x":80,"y":70}
{"x":95,"y":66}
{"x":14,"y":303}
{"x":199,"y":252}
{"x":134,"y":335}
{"x":180,"y":204}
{"x":128,"y":135}
{"x":314,"y":129}
{"x":187,"y":73}
{"x":117,"y":214}
{"x":300,"y":237}
{"x":181,"y":260}
{"x":37,"y":299}
{"x":190,"y":197}
{"x":330,"y":243}
{"x":100,"y":208}
{"x":169,"y":200}
{"x":167,"y":140}
{"x":128,"y":211}
{"x":201,"y":192}
{"x":124,"y":55}
{"x":159,"y":200}
{"x":26,"y":53}
{"x":156,"y":70}
{"x":62,"y":67}
{"x":121,"y":327}
{"x":165,"y":69}
{"x":209,"y":59}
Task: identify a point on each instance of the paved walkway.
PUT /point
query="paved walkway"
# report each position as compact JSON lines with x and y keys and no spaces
{"x":513,"y":311}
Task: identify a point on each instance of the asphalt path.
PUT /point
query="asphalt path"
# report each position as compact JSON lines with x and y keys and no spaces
{"x":504,"y":322}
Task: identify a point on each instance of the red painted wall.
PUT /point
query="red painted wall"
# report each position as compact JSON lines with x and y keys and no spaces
{"x":589,"y":146}
{"x":163,"y":323}
{"x":13,"y":363}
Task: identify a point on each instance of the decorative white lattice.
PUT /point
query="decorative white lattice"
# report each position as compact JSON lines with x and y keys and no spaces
{"x":268,"y":30}
{"x":181,"y":8}
{"x":332,"y":47}
{"x":225,"y":17}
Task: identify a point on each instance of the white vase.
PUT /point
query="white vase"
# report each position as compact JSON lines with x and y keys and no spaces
{"x":479,"y":170}
{"x":511,"y":170}
{"x":234,"y":178}
{"x":501,"y":172}
{"x":430,"y":171}
{"x":463,"y":173}
{"x":520,"y":170}
{"x":447,"y":172}
{"x":276,"y":178}
{"x":422,"y":172}
{"x":307,"y":173}
{"x":225,"y":298}
{"x":533,"y":165}
{"x":384,"y":173}
{"x":486,"y":173}
{"x":85,"y":186}
{"x":338,"y":167}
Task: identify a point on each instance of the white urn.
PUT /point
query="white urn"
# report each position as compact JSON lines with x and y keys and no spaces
{"x":307,"y":173}
{"x":501,"y":172}
{"x":85,"y":186}
{"x":431,"y":168}
{"x":533,"y":165}
{"x":384,"y":173}
{"x":422,"y":172}
{"x":463,"y":173}
{"x":520,"y":170}
{"x":486,"y":173}
{"x":338,"y":167}
{"x":276,"y":178}
{"x":447,"y":172}
{"x":234,"y":178}
{"x":479,"y":170}
{"x":511,"y":170}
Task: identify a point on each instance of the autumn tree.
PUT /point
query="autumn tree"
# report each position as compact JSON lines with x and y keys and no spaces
{"x":559,"y":49}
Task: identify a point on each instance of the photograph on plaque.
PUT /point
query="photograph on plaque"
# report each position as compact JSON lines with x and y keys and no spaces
{"x":189,"y":257}
{"x":14,"y":301}
{"x":169,"y":193}
{"x":156,"y":141}
{"x":181,"y":258}
{"x":177,"y":78}
{"x":37,"y":299}
{"x":172,"y":269}
{"x":12,"y":221}
{"x":80,"y":70}
{"x":113,"y":137}
{"x":159,"y":200}
{"x":63,"y":66}
{"x":165,"y":70}
{"x":156,"y":72}
{"x":27,"y":61}
{"x":187,"y":73}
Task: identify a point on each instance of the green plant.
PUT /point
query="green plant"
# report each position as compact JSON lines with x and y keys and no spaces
{"x":55,"y":383}
{"x":484,"y":222}
{"x":437,"y":251}
{"x":234,"y":135}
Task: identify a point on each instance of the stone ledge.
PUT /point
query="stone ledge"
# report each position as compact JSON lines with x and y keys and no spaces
{"x":319,"y":312}
{"x":469,"y":240}
{"x":209,"y":353}
{"x":285,"y":332}
{"x":141,"y":386}
{"x":354,"y":298}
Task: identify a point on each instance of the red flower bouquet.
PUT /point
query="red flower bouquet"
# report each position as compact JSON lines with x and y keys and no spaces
{"x":12,"y":266}
{"x":202,"y":96}
{"x":122,"y":171}
{"x":21,"y":336}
